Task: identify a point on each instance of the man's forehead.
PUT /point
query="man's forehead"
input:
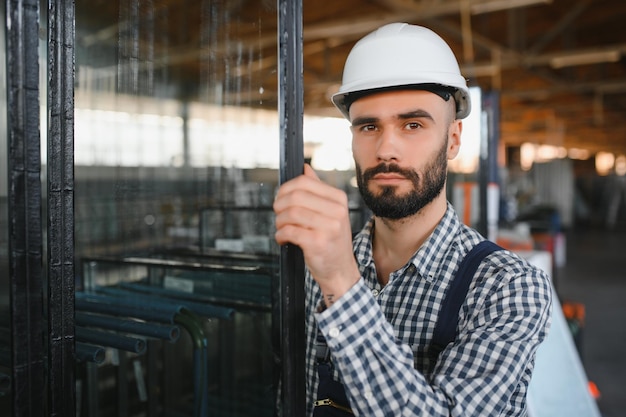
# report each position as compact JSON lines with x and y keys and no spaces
{"x":398,"y":104}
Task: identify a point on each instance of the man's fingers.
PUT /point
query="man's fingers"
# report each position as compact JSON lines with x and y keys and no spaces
{"x":312,"y":194}
{"x":311,"y":214}
{"x":308,"y":181}
{"x":308,"y":212}
{"x":292,"y":234}
{"x":299,"y":216}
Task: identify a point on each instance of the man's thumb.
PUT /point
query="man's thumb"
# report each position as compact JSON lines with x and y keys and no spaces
{"x":309,"y":172}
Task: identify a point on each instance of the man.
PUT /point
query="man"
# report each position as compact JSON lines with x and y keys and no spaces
{"x":376,"y":299}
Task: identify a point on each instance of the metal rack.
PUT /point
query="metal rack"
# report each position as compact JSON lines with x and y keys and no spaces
{"x":173,"y":322}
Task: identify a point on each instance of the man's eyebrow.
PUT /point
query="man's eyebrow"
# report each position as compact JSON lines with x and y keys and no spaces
{"x":358,"y":121}
{"x":415,"y":114}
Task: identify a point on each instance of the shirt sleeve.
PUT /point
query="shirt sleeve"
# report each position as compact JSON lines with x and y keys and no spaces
{"x":475,"y":376}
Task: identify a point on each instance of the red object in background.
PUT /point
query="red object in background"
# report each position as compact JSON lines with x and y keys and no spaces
{"x":594,"y":391}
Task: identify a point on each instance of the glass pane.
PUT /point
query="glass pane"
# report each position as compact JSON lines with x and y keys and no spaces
{"x":5,"y":315}
{"x":177,"y":150}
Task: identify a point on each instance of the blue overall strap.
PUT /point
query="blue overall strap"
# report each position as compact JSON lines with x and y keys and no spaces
{"x":445,"y":330}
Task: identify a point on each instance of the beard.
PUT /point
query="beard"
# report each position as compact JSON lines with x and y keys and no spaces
{"x":387,"y":204}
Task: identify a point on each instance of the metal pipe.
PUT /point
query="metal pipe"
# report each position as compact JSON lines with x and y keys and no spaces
{"x":198,"y":307}
{"x":89,"y":353}
{"x":193,"y":324}
{"x":90,"y":305}
{"x":93,"y":397}
{"x":173,"y":264}
{"x":130,"y":344}
{"x":217,"y":280}
{"x":132,"y":298}
{"x":224,"y":289}
{"x":268,"y":261}
{"x":113,"y":296}
{"x":169,"y":333}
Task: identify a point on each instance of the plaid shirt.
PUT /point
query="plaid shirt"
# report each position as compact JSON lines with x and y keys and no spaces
{"x":379,"y":336}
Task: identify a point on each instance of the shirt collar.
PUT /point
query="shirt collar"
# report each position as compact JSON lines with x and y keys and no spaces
{"x":363,"y":244}
{"x":428,"y":257}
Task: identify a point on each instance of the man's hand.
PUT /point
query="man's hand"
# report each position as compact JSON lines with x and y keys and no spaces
{"x":314,"y":216}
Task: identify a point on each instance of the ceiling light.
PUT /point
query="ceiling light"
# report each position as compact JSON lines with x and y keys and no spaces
{"x":585,"y":58}
{"x":604,"y":163}
{"x":496,"y":5}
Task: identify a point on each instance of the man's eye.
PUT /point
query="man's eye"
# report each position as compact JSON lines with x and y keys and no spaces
{"x":368,"y":128}
{"x":412,"y":126}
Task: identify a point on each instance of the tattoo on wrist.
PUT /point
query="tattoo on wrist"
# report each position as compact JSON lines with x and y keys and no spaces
{"x":330,"y":299}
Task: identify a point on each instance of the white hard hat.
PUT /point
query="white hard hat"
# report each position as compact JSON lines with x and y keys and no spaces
{"x":399,"y":55}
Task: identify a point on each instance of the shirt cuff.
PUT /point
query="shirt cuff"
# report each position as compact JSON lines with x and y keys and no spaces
{"x":350,"y":320}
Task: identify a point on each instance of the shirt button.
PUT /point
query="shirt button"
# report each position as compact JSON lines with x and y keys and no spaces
{"x":375,"y":292}
{"x":334,"y":332}
{"x":368,"y":394}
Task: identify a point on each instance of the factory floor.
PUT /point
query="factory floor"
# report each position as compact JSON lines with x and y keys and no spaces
{"x":594,"y":274}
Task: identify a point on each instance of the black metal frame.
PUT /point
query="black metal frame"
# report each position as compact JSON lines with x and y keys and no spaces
{"x":291,"y":109}
{"x":48,"y":368}
{"x":60,"y":209}
{"x":24,"y":185}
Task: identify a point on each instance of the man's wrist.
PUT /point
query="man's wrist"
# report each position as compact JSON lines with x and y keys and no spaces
{"x":331,"y":295}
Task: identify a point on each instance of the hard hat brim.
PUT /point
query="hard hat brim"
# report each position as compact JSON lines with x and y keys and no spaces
{"x":460,"y":94}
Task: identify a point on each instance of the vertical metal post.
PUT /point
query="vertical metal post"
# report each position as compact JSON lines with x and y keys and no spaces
{"x":483,"y":175}
{"x":93,"y":400}
{"x":184,"y":114}
{"x":24,"y":184}
{"x":122,"y":386}
{"x":291,"y":108}
{"x":60,"y":192}
{"x":488,"y":163}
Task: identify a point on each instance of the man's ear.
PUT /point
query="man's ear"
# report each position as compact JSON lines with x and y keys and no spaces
{"x":454,"y":138}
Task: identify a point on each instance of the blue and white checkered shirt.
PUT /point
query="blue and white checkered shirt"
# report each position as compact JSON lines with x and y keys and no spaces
{"x":379,"y":336}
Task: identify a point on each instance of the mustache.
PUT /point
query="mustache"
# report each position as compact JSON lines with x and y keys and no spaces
{"x":389,"y":168}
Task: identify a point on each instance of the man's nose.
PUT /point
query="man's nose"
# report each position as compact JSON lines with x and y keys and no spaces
{"x":387,"y":149}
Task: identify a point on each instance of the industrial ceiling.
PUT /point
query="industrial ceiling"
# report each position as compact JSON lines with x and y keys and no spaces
{"x":559,"y":65}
